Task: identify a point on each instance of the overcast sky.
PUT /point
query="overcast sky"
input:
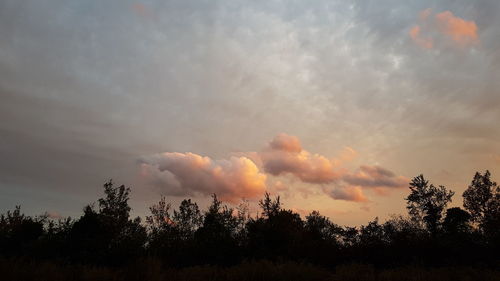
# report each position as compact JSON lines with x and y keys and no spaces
{"x":332,"y":105}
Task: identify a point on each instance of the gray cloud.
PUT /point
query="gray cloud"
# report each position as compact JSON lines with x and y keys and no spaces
{"x":374,"y":176}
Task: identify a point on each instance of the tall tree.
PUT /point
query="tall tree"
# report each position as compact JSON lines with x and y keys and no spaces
{"x":108,"y":235}
{"x":160,"y":217}
{"x":481,"y":196}
{"x":114,"y":205}
{"x":427,"y":202}
{"x":188,"y":218}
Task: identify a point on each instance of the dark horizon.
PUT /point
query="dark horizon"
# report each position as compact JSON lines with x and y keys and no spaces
{"x":221,"y":238}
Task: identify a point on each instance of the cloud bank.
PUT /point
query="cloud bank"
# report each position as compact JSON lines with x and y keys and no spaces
{"x":239,"y":177}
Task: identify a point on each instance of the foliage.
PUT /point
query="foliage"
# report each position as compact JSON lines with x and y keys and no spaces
{"x":188,"y":237}
{"x":482,"y":200}
{"x":427,"y":202}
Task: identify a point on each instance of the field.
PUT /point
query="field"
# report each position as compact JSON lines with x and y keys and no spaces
{"x":153,"y":270}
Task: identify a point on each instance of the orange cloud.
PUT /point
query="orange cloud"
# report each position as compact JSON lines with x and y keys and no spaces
{"x":426,"y":43}
{"x":461,"y":31}
{"x":286,"y":156}
{"x":190,"y":174}
{"x":240,"y":177}
{"x":443,"y":27}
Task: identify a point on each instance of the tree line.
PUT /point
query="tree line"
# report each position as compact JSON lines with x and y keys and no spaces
{"x":105,"y":234}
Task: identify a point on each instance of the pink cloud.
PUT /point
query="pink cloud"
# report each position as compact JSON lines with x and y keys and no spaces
{"x":445,"y":28}
{"x":285,"y":156}
{"x":286,"y":143}
{"x":190,"y":174}
{"x":348,"y":193}
{"x":461,"y":31}
{"x":245,"y":175}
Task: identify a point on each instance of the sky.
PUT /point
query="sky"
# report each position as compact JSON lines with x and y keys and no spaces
{"x":332,"y":105}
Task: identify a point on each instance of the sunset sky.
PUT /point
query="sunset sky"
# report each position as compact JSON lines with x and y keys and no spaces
{"x":333,"y":105}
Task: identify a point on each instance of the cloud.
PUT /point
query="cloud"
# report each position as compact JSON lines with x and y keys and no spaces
{"x":286,"y":156}
{"x":426,"y":43}
{"x":239,"y":177}
{"x":190,"y":174}
{"x":443,"y":27}
{"x":286,"y":143}
{"x":461,"y":31}
{"x":349,"y":193}
{"x":375,"y":176}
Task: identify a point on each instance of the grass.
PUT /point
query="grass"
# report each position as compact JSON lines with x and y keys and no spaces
{"x":154,"y":270}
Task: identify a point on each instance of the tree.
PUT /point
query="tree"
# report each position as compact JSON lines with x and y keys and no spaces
{"x":456,"y":221}
{"x":108,"y":235}
{"x":18,"y":232}
{"x":481,"y":197}
{"x":114,"y":206}
{"x":321,"y":228}
{"x":278,"y":233}
{"x":188,"y":219}
{"x":215,"y":239}
{"x":269,"y":206}
{"x":219,"y":220}
{"x":160,"y":216}
{"x":89,"y":238}
{"x":427,"y":202}
{"x":372,"y":234}
{"x":163,"y":234}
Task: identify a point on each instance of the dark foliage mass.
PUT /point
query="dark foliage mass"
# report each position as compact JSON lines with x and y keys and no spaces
{"x":105,"y":236}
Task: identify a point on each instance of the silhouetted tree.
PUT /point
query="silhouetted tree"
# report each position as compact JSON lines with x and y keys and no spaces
{"x":481,"y":199}
{"x":457,"y":221}
{"x":402,"y":231}
{"x":108,"y":235}
{"x":269,"y":206}
{"x":372,"y":234}
{"x":18,"y":232}
{"x":160,"y":217}
{"x":89,"y":239}
{"x":163,"y":236}
{"x":350,"y":236}
{"x":321,"y":239}
{"x":215,"y":239}
{"x":188,"y":219}
{"x":427,"y":202}
{"x":114,"y":206}
{"x":278,"y":233}
{"x":321,"y":228}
